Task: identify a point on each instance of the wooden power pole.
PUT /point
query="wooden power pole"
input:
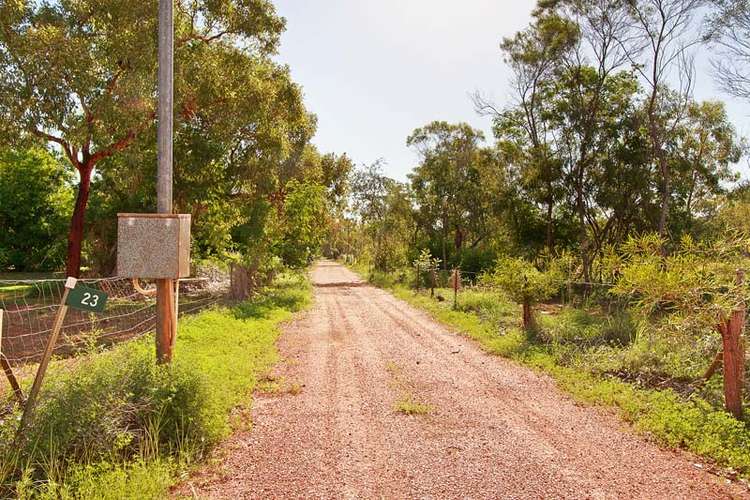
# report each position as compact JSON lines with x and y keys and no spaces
{"x":166,"y":326}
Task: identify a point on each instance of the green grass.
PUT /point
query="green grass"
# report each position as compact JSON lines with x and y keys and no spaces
{"x":119,"y":426}
{"x":561,"y":348}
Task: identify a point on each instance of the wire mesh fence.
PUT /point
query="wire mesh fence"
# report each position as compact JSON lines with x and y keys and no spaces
{"x":30,"y":307}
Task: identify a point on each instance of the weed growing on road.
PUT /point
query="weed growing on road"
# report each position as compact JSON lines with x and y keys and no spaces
{"x":407,"y":403}
{"x":408,"y":406}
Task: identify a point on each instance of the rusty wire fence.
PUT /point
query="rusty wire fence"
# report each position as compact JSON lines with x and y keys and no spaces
{"x":29,"y":308}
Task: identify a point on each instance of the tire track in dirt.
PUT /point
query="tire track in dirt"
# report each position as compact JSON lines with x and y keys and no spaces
{"x":465,"y":383}
{"x":498,"y":430}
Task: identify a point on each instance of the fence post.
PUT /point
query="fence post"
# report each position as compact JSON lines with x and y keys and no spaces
{"x":417,"y":283}
{"x":433,"y":279}
{"x":456,"y":282}
{"x":528,"y":315}
{"x":7,"y":368}
{"x":734,"y":355}
{"x":70,"y":283}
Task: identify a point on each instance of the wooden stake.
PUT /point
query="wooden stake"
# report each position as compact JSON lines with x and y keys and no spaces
{"x":734,"y":356}
{"x":7,"y":368}
{"x":166,"y":327}
{"x":70,"y":283}
{"x":715,"y":364}
{"x":456,"y":281}
{"x":12,"y":379}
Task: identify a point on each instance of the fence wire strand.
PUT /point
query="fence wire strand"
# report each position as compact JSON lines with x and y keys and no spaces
{"x":30,"y":307}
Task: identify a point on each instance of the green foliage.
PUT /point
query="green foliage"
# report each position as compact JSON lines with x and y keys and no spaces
{"x":384,"y":212}
{"x":241,"y":128}
{"x":35,"y":210}
{"x":301,"y":225}
{"x":523,"y":281}
{"x":690,"y":289}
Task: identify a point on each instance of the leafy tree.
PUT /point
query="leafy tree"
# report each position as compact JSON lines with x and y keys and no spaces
{"x":383,"y":209}
{"x":36,"y":192}
{"x":447,"y":184}
{"x":705,"y":147}
{"x":81,"y":74}
{"x":301,"y":225}
{"x":524,"y":283}
{"x":659,"y":47}
{"x":533,"y":54}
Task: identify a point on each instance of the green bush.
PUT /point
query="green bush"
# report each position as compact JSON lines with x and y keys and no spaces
{"x":523,"y":281}
{"x":122,"y":403}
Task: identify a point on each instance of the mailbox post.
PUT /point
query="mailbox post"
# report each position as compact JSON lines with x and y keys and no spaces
{"x":156,"y":246}
{"x":166,"y":325}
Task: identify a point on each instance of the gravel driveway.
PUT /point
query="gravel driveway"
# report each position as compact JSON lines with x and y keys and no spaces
{"x":492,"y":430}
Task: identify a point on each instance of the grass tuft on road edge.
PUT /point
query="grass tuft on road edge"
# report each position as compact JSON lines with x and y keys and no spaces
{"x":662,"y":415}
{"x":119,"y":426}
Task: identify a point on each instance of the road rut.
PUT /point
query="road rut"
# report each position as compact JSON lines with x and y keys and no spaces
{"x":495,"y":429}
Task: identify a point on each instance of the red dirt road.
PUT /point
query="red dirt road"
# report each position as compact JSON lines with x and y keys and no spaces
{"x":496,"y":430}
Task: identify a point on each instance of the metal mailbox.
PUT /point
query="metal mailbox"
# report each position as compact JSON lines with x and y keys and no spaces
{"x":155,"y":246}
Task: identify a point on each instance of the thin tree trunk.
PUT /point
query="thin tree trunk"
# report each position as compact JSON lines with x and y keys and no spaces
{"x":665,"y":195}
{"x":75,"y":236}
{"x":550,"y":232}
{"x":583,"y":237}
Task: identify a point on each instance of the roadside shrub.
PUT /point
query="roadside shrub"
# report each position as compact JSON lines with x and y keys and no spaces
{"x":120,"y":403}
{"x":525,"y":283}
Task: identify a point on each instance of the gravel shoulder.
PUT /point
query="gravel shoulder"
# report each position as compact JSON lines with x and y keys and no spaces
{"x":493,"y":429}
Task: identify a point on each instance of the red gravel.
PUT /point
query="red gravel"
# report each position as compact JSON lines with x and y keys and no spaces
{"x":497,"y":430}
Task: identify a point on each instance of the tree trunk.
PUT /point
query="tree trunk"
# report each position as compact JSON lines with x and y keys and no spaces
{"x":445,"y":248}
{"x":239,"y":288}
{"x":666,"y":186}
{"x":550,"y":227}
{"x":75,"y":235}
{"x":583,"y":237}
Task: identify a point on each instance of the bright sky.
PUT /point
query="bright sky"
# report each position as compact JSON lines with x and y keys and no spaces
{"x":373,"y":71}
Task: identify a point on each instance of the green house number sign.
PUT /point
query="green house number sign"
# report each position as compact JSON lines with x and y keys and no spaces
{"x":86,"y":299}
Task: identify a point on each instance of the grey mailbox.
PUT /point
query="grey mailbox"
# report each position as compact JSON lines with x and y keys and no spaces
{"x":153,"y":245}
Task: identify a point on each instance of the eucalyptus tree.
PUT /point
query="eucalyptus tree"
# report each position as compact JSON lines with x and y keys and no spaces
{"x":659,"y":45}
{"x":80,"y":75}
{"x":533,"y":55}
{"x":447,"y":183}
{"x":567,"y":63}
{"x":383,"y":209}
{"x":728,"y":30}
{"x":706,"y":146}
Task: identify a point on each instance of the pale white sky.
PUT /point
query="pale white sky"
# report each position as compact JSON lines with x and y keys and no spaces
{"x":373,"y":71}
